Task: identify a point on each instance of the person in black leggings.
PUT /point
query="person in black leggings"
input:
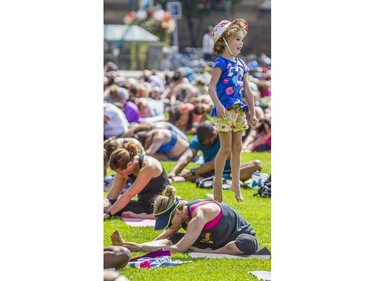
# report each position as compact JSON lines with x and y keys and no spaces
{"x":148,"y":178}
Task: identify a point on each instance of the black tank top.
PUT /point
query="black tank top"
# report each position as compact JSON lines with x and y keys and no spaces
{"x":154,"y":187}
{"x":230,"y":226}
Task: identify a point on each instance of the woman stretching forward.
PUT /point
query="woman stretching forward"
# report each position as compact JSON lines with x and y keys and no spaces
{"x":210,"y":227}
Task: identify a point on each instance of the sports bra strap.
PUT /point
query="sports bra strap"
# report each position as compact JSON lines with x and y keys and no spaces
{"x":188,"y":206}
{"x":141,"y":157}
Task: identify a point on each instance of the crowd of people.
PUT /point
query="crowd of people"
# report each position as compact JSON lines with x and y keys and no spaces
{"x":129,"y":102}
{"x":208,"y":116}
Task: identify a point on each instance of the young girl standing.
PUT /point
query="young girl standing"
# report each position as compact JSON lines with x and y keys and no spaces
{"x":229,"y":83}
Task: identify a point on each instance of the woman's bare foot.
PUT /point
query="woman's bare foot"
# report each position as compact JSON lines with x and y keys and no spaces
{"x":237,"y":191}
{"x":218,"y":192}
{"x":116,"y":238}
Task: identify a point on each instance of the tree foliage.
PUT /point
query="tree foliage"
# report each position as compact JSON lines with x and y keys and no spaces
{"x":194,"y":11}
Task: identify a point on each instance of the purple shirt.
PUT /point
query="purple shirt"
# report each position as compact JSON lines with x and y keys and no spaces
{"x":131,"y":112}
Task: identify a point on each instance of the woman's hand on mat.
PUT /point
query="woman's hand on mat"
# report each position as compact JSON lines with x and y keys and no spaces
{"x":106,"y":215}
{"x":106,"y":204}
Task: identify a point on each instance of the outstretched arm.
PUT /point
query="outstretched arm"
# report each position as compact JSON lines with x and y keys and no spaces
{"x":182,"y":162}
{"x":114,"y":192}
{"x":148,"y":246}
{"x":192,"y":233}
{"x":166,"y":233}
{"x":143,"y":178}
{"x":220,"y":109}
{"x":117,"y":240}
{"x":205,"y":168}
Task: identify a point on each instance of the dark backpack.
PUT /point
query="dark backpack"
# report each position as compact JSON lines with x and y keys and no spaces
{"x":265,"y":190}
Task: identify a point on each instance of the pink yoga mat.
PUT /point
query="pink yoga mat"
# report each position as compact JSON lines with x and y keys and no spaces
{"x":139,"y":222}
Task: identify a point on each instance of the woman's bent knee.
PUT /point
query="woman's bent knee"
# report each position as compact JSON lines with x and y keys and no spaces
{"x":247,"y":244}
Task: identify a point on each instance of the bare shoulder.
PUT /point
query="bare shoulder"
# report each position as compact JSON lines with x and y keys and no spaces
{"x":151,"y":165}
{"x":210,"y":210}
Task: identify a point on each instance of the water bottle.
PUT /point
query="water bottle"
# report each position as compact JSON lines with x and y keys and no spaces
{"x":256,"y":180}
{"x":264,"y":177}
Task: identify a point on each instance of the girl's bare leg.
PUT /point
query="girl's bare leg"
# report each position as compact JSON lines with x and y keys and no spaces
{"x":235,"y":162}
{"x":221,"y":157}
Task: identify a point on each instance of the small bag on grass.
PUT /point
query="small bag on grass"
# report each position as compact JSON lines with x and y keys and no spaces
{"x":207,"y":183}
{"x":265,"y":190}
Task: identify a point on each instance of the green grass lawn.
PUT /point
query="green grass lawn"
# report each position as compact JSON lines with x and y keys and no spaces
{"x":256,"y":210}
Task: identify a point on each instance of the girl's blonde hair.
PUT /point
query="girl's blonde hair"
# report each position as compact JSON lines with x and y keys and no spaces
{"x":228,"y":35}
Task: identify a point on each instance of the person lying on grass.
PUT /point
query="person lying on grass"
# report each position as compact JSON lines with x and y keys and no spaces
{"x":210,"y":227}
{"x":163,"y":144}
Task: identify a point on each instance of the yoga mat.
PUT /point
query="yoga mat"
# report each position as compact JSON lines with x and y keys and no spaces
{"x":139,"y":222}
{"x":263,"y":253}
{"x":218,"y":256}
{"x":262,"y":275}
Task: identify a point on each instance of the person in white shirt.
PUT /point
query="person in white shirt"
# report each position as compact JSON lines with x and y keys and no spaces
{"x":207,"y":45}
{"x":115,"y":122}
